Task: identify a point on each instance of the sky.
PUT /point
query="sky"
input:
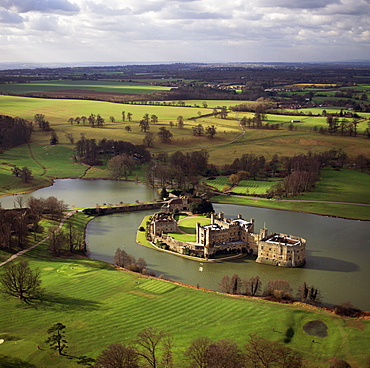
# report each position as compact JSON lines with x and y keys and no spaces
{"x":73,"y":31}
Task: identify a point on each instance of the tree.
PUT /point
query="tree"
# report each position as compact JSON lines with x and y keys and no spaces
{"x":235,"y":284}
{"x":54,"y":139}
{"x":123,"y":116}
{"x":198,"y":130}
{"x":121,"y":165}
{"x":57,"y":239}
{"x":262,"y":353}
{"x":112,"y":119}
{"x":154,"y":119}
{"x":118,"y":356}
{"x":144,"y":125}
{"x":224,"y":354}
{"x":149,"y":341}
{"x":211,"y":131}
{"x":69,"y":136}
{"x":56,"y":340}
{"x":164,"y":135}
{"x":279,"y":289}
{"x":21,"y":281}
{"x":121,"y":258}
{"x":128,"y":128}
{"x":225,"y":285}
{"x":180,"y":122}
{"x":26,"y":175}
{"x":252,"y":286}
{"x":149,"y":139}
{"x":196,"y":352}
{"x":309,"y":294}
{"x":129,"y":116}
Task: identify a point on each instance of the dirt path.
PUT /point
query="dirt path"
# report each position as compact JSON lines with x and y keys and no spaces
{"x":14,"y":256}
{"x":38,"y":162}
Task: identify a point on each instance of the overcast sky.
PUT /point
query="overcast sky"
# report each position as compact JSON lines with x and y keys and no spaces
{"x":184,"y":30}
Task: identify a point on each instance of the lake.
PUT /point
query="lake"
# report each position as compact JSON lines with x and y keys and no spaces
{"x":337,"y":252}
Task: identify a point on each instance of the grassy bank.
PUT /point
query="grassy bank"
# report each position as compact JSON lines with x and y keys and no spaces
{"x":101,"y":305}
{"x":327,"y":209}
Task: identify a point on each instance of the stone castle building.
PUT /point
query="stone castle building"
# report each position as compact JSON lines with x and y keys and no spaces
{"x":229,"y":236}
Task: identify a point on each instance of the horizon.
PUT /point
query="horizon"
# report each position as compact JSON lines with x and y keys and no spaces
{"x":88,"y":64}
{"x":209,"y":31}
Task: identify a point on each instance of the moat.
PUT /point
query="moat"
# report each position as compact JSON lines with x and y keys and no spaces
{"x":337,"y":253}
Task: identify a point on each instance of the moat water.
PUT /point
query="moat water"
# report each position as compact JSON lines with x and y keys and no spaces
{"x":337,"y":253}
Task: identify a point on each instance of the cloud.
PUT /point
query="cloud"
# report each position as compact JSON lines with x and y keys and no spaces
{"x":43,"y":6}
{"x":10,"y":18}
{"x":183,"y":30}
{"x":296,"y":4}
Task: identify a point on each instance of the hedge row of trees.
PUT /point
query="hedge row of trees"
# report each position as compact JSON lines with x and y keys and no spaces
{"x":277,"y":289}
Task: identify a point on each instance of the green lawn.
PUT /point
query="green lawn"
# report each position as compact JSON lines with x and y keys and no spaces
{"x":188,"y":225}
{"x":101,"y":305}
{"x":341,"y":186}
{"x":327,"y":209}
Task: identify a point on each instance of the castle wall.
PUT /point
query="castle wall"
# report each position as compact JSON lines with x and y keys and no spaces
{"x":285,"y":254}
{"x":232,"y":236}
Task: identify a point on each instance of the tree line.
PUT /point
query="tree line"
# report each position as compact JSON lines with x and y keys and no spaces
{"x":14,"y":132}
{"x":275,"y":289}
{"x":178,"y":169}
{"x":89,"y":151}
{"x":17,"y":224}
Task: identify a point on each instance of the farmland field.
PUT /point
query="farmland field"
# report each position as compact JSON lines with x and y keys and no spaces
{"x":98,"y":86}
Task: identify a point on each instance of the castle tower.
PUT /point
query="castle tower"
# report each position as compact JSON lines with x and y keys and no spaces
{"x":263,"y":233}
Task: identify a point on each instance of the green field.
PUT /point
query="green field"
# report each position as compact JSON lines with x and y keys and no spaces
{"x":67,"y":85}
{"x":100,"y":305}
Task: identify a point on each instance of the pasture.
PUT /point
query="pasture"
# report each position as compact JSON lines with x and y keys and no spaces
{"x":101,"y":305}
{"x":85,"y":85}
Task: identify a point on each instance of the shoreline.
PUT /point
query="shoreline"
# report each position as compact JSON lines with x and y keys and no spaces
{"x":216,"y":194}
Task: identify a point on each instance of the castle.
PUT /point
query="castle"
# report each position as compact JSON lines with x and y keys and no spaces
{"x":229,"y":236}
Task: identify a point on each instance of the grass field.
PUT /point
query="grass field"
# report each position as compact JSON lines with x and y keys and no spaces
{"x":101,"y":305}
{"x":99,"y":86}
{"x":250,"y":187}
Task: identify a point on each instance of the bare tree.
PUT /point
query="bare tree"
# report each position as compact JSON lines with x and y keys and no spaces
{"x":236,"y":284}
{"x":149,"y":139}
{"x":21,"y":281}
{"x":309,"y":294}
{"x":252,"y":286}
{"x":196,"y":352}
{"x":224,"y":354}
{"x":262,"y":353}
{"x":279,"y":289}
{"x":118,"y":356}
{"x":149,"y":341}
{"x":225,"y":285}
